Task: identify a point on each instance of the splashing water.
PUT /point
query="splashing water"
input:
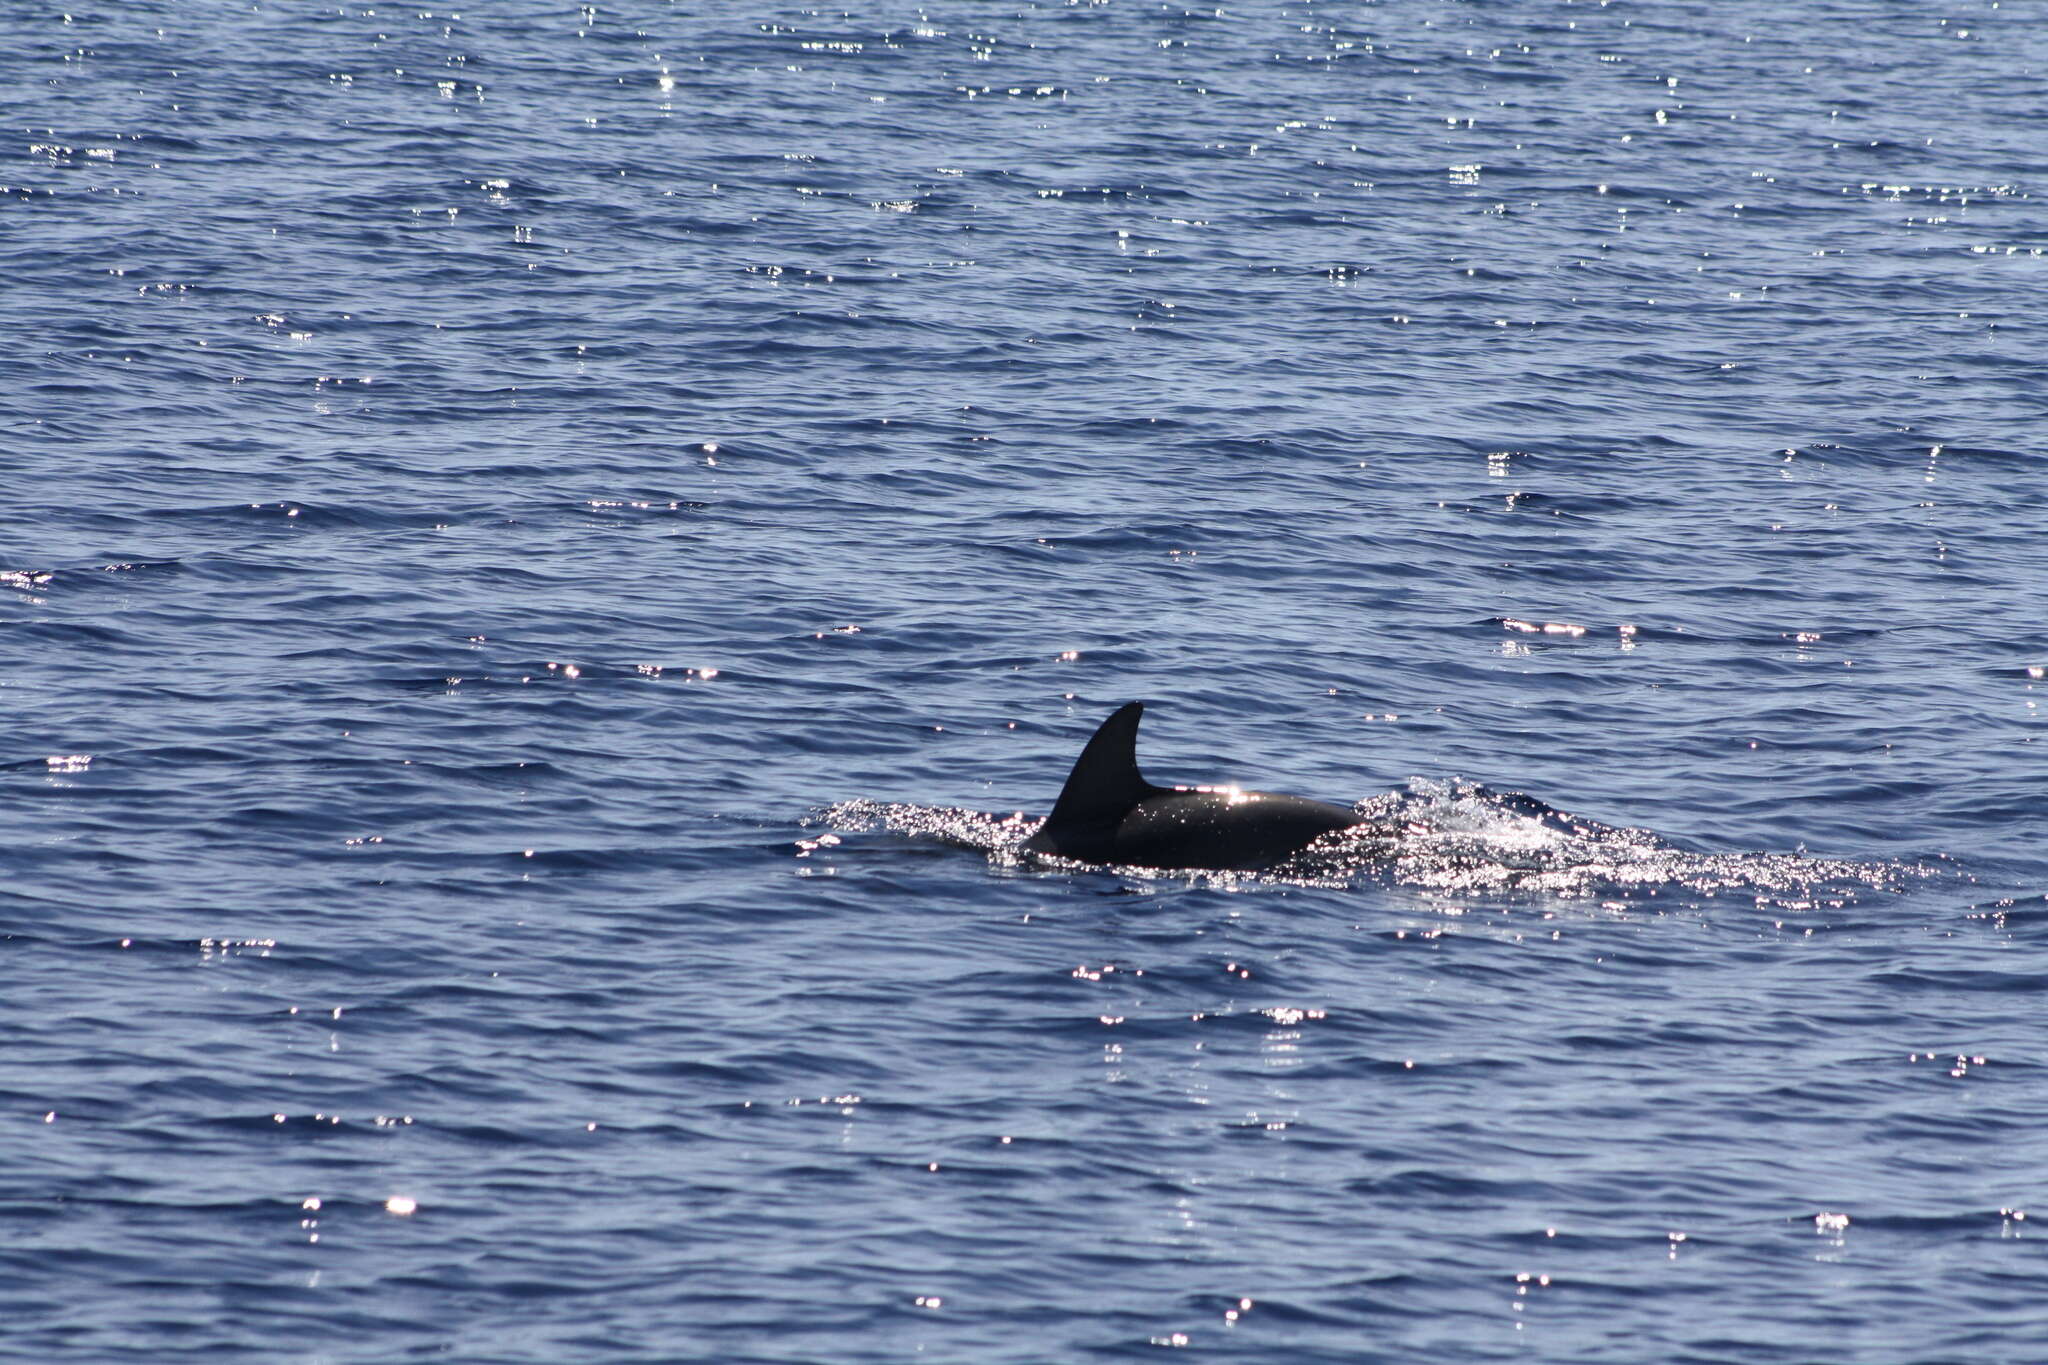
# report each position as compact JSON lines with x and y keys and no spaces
{"x":1461,"y":836}
{"x":1440,"y":836}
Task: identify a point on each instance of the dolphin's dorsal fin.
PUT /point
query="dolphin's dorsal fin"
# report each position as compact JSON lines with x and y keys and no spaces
{"x":1105,"y":783}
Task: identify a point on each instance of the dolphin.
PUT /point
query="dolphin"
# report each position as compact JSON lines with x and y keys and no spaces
{"x":1108,"y":813}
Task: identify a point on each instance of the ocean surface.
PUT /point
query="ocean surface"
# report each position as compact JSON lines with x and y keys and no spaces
{"x":549,"y":554}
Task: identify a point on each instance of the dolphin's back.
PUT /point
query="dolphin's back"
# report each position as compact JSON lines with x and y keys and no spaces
{"x":1223,"y":829}
{"x":1108,"y":813}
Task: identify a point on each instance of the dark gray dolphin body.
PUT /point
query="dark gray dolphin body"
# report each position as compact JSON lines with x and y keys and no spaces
{"x":1108,"y":813}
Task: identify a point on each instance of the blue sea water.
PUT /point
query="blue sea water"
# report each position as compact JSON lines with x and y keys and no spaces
{"x":528,"y":534}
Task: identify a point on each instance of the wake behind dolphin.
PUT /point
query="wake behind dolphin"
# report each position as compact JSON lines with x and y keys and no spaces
{"x":1108,"y":813}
